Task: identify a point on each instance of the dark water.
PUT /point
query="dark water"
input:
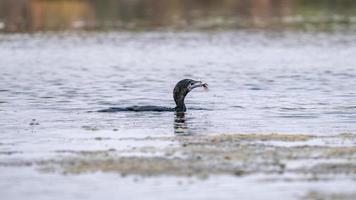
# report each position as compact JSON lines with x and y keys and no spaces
{"x":259,"y":82}
{"x":44,"y":15}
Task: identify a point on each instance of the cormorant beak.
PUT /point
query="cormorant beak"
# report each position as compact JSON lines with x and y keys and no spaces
{"x":196,"y":84}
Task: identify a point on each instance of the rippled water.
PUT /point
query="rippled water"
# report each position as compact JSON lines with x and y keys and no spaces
{"x":52,"y":84}
{"x":259,"y":82}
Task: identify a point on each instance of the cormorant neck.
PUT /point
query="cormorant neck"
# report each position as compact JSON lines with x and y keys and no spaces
{"x":180,"y":104}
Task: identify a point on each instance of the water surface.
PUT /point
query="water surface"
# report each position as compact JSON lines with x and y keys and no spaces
{"x":259,"y":82}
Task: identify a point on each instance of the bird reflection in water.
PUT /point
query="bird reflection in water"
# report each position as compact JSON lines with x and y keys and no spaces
{"x":180,"y":124}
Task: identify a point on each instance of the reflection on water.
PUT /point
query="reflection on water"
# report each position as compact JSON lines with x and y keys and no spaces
{"x":35,"y":15}
{"x":180,"y":124}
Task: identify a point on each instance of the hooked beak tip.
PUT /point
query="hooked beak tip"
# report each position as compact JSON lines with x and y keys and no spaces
{"x":198,"y":84}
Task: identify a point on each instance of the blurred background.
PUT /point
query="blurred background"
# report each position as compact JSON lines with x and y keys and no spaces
{"x":52,"y":15}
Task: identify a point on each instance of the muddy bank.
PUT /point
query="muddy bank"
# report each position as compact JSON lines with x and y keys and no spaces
{"x":225,"y":154}
{"x":263,"y":166}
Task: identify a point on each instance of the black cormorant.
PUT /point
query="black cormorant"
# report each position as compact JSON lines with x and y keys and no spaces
{"x":181,"y":89}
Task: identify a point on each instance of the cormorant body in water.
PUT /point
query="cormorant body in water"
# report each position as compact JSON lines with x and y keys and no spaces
{"x":181,"y":90}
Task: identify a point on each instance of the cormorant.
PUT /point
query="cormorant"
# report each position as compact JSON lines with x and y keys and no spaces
{"x":181,"y":89}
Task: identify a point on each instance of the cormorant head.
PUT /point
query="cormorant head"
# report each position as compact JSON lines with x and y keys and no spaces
{"x":181,"y":89}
